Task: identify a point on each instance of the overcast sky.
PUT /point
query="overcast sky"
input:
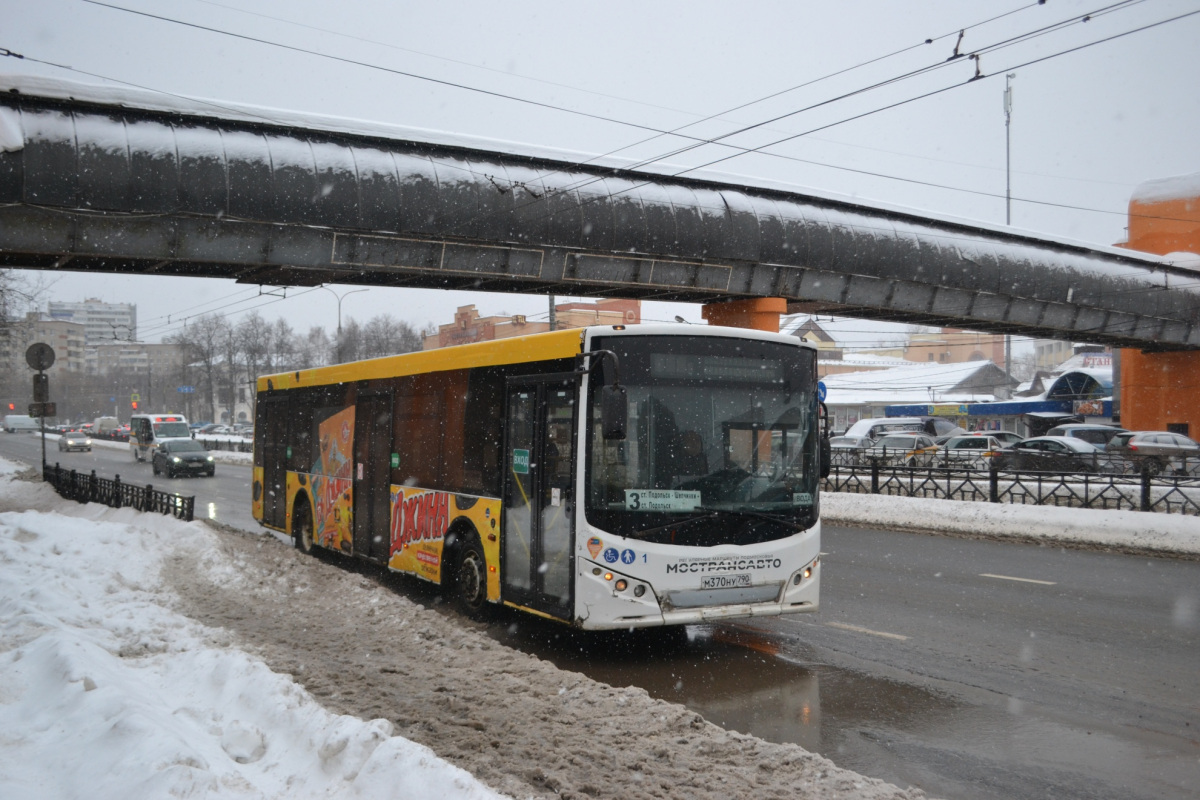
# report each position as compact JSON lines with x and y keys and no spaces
{"x":1099,"y":106}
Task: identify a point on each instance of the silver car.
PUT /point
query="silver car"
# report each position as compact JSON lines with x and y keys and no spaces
{"x":74,"y":440}
{"x":1159,"y":451}
{"x":972,"y":449}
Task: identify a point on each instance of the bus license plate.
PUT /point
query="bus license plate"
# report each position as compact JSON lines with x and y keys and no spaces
{"x":724,"y":581}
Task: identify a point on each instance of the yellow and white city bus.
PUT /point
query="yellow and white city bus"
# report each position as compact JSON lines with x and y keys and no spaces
{"x":608,"y":477}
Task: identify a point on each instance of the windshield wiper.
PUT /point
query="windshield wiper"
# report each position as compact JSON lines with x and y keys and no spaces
{"x":758,"y":514}
{"x":685,"y":521}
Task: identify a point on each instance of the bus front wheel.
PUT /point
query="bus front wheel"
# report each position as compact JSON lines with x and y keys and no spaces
{"x":471,"y":579}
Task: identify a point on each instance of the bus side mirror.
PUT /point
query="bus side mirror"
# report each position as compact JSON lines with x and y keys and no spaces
{"x":826,"y":456}
{"x":614,"y":412}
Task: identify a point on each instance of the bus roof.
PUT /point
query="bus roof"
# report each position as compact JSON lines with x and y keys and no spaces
{"x":514,"y":350}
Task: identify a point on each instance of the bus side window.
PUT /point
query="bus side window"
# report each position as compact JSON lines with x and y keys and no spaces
{"x":481,"y":461}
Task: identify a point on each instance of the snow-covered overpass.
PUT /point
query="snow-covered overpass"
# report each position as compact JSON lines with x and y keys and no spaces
{"x":110,"y":182}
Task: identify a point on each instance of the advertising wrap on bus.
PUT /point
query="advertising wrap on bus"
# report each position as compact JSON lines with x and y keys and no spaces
{"x":499,"y":471}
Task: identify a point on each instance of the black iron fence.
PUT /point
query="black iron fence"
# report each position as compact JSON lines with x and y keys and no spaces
{"x":1142,"y":491}
{"x":234,"y":445}
{"x":85,"y":488}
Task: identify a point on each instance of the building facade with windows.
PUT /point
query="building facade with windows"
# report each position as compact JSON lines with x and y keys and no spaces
{"x":104,"y":323}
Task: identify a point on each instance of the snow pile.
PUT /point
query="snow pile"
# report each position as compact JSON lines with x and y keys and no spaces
{"x":1125,"y":530}
{"x":109,"y":694}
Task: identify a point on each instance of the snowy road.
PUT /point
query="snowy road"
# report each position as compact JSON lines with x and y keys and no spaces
{"x":973,"y":669}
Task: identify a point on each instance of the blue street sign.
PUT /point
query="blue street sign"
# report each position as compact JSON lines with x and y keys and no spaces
{"x":821,"y":391}
{"x":186,"y":389}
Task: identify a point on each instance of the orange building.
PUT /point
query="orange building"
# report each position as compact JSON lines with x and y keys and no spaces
{"x":468,"y":326}
{"x":955,"y":346}
{"x":1161,"y":391}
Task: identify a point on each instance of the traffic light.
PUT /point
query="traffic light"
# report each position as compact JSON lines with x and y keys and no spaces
{"x":135,"y":402}
{"x":12,"y":406}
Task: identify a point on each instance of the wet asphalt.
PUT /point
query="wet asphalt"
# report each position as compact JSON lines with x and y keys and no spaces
{"x":970,"y":669}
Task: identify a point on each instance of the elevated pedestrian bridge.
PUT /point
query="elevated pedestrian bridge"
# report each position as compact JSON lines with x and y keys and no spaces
{"x":98,"y":182}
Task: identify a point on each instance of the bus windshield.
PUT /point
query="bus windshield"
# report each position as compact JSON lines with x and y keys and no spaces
{"x":171,"y":430}
{"x":722,"y":444}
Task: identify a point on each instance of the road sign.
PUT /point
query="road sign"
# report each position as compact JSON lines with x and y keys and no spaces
{"x":41,"y":388}
{"x":39,"y":356}
{"x":42,"y":410}
{"x":821,"y":391}
{"x":185,"y":389}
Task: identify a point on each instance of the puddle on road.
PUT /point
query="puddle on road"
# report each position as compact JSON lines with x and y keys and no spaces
{"x":774,"y":688}
{"x":734,"y":678}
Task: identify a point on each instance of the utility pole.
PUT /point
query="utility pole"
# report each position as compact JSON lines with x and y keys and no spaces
{"x":553,"y":318}
{"x":1008,"y":147}
{"x":1008,"y":189}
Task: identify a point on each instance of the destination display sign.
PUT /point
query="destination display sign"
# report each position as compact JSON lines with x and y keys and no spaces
{"x":661,"y":500}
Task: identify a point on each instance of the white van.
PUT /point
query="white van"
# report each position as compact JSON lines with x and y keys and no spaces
{"x":877,"y":426}
{"x":147,"y":431}
{"x":20,"y":423}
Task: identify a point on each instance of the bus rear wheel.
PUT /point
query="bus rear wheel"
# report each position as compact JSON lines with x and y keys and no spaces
{"x":470,"y":581}
{"x":302,"y":528}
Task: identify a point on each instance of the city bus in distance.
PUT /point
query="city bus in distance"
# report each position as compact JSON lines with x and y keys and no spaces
{"x":607,"y":477}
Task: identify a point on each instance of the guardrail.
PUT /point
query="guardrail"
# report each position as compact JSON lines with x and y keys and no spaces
{"x":235,"y":445}
{"x":1144,"y":491}
{"x":75,"y":485}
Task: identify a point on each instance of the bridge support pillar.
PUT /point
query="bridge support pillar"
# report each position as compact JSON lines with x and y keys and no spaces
{"x":1159,"y":389}
{"x":760,"y":313}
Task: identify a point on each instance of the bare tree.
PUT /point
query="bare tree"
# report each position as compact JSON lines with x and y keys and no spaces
{"x":314,"y":350}
{"x":253,"y":335}
{"x":350,"y":343}
{"x":284,"y":348}
{"x":384,"y":335}
{"x":204,"y":344}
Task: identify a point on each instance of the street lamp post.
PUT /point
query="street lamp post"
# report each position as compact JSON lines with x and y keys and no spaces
{"x":340,"y":298}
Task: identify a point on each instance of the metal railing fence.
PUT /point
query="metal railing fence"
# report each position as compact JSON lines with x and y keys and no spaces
{"x":1141,"y":491}
{"x":88,"y":488}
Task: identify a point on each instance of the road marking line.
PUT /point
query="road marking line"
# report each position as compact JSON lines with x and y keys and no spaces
{"x":1022,"y":580}
{"x":857,"y":629}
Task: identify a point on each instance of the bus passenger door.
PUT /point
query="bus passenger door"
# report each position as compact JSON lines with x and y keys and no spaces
{"x":372,"y":468}
{"x":536,"y":564}
{"x":275,"y":445}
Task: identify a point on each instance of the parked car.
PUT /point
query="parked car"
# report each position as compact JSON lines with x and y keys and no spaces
{"x":1095,"y":434}
{"x":907,"y":449}
{"x":848,"y":450}
{"x":1007,"y":438}
{"x":971,"y":449}
{"x":876,"y":427}
{"x":74,"y":440}
{"x":182,"y":457}
{"x":1053,"y":454}
{"x":1158,"y":450}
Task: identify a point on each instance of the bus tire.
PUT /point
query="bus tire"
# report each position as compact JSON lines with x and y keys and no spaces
{"x":470,"y":578}
{"x":302,"y":527}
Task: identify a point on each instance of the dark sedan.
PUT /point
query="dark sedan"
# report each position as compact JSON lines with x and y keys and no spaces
{"x":182,"y":457}
{"x":1053,"y":454}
